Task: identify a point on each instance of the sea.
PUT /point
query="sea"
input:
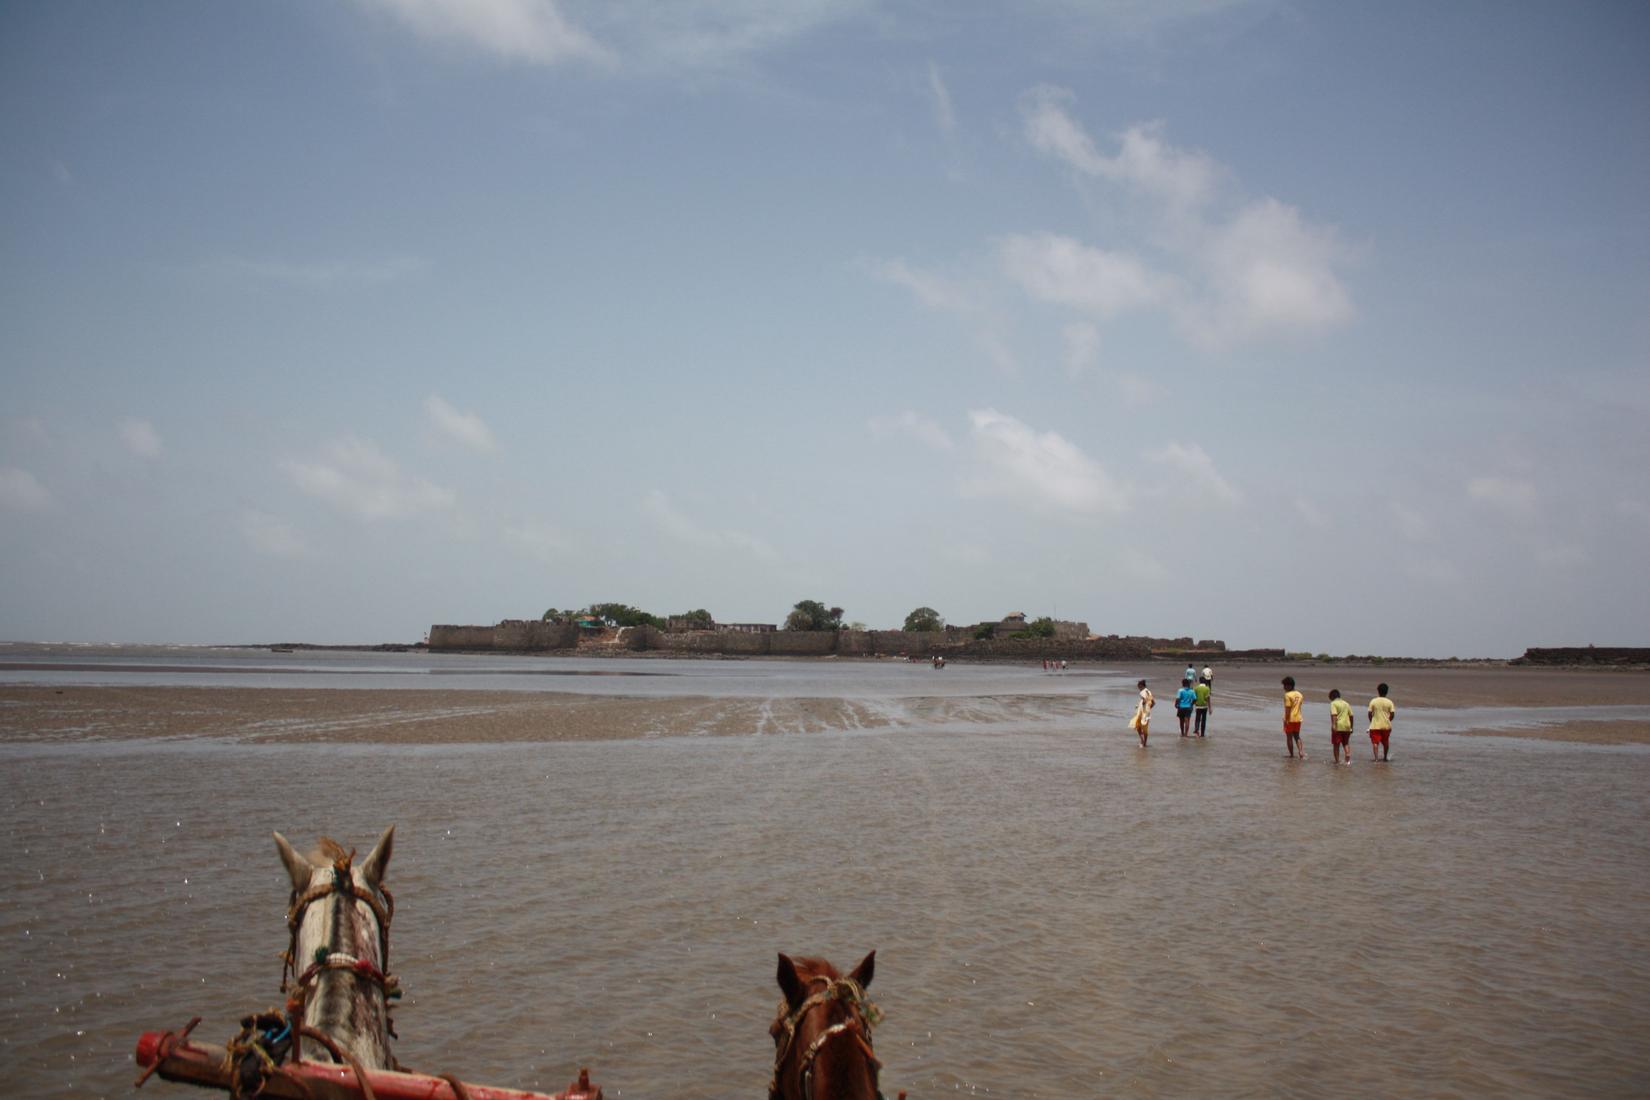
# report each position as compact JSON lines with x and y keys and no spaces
{"x":1055,"y":912}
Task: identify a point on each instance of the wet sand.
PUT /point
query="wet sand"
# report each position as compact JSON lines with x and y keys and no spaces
{"x":419,"y":716}
{"x":260,"y":715}
{"x":1438,"y":687}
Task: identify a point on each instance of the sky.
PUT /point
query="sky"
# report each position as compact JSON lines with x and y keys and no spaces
{"x":1316,"y":326}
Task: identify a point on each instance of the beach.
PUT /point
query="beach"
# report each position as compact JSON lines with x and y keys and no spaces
{"x":596,"y":862}
{"x":438,"y":716}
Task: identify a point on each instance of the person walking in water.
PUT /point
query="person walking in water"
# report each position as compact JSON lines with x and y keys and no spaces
{"x":1340,"y":728}
{"x":1292,"y":701}
{"x":1381,"y":714}
{"x":1200,"y":706}
{"x":1183,"y":700}
{"x":1142,"y":719}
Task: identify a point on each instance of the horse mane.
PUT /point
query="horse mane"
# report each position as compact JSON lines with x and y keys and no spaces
{"x":328,"y":852}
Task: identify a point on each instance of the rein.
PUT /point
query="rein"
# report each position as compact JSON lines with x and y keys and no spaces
{"x":863,"y":1015}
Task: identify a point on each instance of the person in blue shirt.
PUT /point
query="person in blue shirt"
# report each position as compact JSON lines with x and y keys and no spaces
{"x":1183,"y":700}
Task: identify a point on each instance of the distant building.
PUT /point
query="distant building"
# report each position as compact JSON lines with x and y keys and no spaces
{"x":747,"y":628}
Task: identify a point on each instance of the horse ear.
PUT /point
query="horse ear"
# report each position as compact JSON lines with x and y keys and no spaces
{"x":789,"y":983}
{"x":866,"y":970}
{"x":379,"y":858}
{"x":298,"y":868}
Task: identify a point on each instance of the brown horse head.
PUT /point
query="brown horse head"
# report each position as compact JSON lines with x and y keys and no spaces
{"x":339,"y":953}
{"x":822,"y":1032}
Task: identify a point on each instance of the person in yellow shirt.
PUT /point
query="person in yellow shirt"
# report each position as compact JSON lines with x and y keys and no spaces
{"x":1292,"y":701}
{"x":1381,"y":714}
{"x":1340,"y":728}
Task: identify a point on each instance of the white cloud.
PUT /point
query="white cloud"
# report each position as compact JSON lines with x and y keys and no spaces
{"x":467,"y":428}
{"x":708,"y":34}
{"x":933,"y":291}
{"x":324,"y":274}
{"x":912,"y":425}
{"x":675,"y":524}
{"x":1561,"y":555}
{"x":1509,"y":496}
{"x":1041,"y":467}
{"x":1261,"y":271}
{"x":271,"y":536}
{"x":537,"y":539}
{"x":945,"y":115}
{"x":20,"y":490}
{"x":517,"y":30}
{"x":140,"y":437}
{"x":1082,"y":341}
{"x":357,"y":478}
{"x":1065,"y":272}
{"x":1144,"y":161}
{"x":1270,"y":272}
{"x":1199,"y":471}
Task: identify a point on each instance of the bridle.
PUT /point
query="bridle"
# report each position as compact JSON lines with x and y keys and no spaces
{"x":863,"y":1015}
{"x":340,"y":882}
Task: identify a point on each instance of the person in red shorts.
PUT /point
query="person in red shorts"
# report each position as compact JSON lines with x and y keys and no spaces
{"x":1381,"y":714}
{"x":1340,"y":728}
{"x":1292,"y":701}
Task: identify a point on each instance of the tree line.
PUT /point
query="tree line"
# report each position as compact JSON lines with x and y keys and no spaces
{"x":805,"y":615}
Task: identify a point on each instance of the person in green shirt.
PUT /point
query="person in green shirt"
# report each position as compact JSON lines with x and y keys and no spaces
{"x":1340,"y":728}
{"x":1200,"y":706}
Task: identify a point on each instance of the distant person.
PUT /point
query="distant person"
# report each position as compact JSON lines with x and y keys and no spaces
{"x":1340,"y":728}
{"x":1183,"y":700}
{"x":1201,"y":695}
{"x":1142,"y":720}
{"x":1381,"y":714}
{"x":1292,"y":701}
{"x":1209,"y":675}
{"x":1190,"y":673}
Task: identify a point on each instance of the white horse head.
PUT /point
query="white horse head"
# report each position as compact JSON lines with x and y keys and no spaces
{"x":339,"y":919}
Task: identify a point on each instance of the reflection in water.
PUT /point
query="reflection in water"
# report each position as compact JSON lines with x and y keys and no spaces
{"x":1056,"y":912}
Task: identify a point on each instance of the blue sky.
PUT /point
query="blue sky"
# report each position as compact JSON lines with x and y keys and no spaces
{"x":1318,"y":326}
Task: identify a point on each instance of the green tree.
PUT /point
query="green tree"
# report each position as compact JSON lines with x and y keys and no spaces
{"x":622,"y":614}
{"x":1037,"y":628}
{"x":985,"y":631}
{"x":924,"y":619}
{"x":813,"y":615}
{"x":697,"y":619}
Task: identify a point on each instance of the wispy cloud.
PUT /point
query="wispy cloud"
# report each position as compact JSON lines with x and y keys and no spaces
{"x":677,"y":525}
{"x":945,"y":115}
{"x":1043,"y":468}
{"x":912,"y":425}
{"x":516,"y":30}
{"x":1143,"y":161}
{"x":932,"y":290}
{"x":21,"y":491}
{"x":464,"y":427}
{"x":1261,"y":270}
{"x":360,"y":480}
{"x":271,"y":536}
{"x":140,"y":437}
{"x":1198,"y":471}
{"x":1065,"y":272}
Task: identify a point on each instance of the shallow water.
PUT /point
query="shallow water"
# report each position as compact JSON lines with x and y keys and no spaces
{"x":1056,"y":913}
